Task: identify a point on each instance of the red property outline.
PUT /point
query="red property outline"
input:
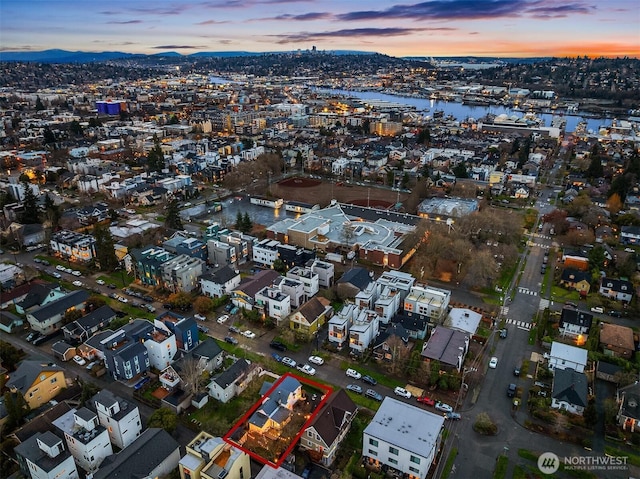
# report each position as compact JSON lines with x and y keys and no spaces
{"x":227,"y":437}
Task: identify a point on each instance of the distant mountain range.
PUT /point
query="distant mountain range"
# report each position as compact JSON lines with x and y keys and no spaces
{"x":65,"y":56}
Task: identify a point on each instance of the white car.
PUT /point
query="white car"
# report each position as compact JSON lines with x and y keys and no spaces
{"x":249,"y":334}
{"x":493,"y":362}
{"x":317,"y":360}
{"x":402,"y":392}
{"x":77,"y":283}
{"x":76,"y":273}
{"x":61,"y":268}
{"x":100,"y":282}
{"x":289,"y":362}
{"x":78,"y":360}
{"x":223,"y":318}
{"x":122,"y":299}
{"x":440,"y":406}
{"x":305,"y":368}
{"x":200,"y":317}
{"x":352,"y":373}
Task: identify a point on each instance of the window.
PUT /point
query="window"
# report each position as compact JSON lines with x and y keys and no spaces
{"x":393,"y":461}
{"x":54,"y":380}
{"x":373,"y":452}
{"x":413,"y":469}
{"x":373,"y":442}
{"x":393,"y":450}
{"x":415,"y":459}
{"x":310,"y":433}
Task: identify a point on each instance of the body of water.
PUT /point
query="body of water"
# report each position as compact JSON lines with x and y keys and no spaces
{"x":461,"y":112}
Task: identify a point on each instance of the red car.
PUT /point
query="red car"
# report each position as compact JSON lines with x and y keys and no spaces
{"x":426,"y":400}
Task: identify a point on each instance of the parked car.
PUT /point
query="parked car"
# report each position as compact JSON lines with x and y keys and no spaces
{"x":277,"y":357}
{"x":454,"y":416}
{"x":76,"y":273}
{"x":148,"y":298}
{"x":140,"y":384}
{"x":59,"y":267}
{"x":249,"y":334}
{"x":111,"y":286}
{"x":122,"y":299}
{"x":233,"y":329}
{"x":354,"y":388}
{"x":79,"y":360}
{"x":222,"y":319}
{"x":289,"y":362}
{"x":31,"y":336}
{"x":150,"y":308}
{"x":493,"y":362}
{"x":369,"y":380}
{"x":77,"y":283}
{"x":370,"y":393}
{"x":307,"y":471}
{"x":516,"y":371}
{"x":100,"y":282}
{"x":231,"y":340}
{"x":615,"y":314}
{"x":200,"y":317}
{"x":234,"y":310}
{"x":402,"y":392}
{"x":229,"y":307}
{"x":426,"y":400}
{"x":440,"y":406}
{"x":305,"y":368}
{"x":571,"y":303}
{"x":90,"y":366}
{"x":203,"y":329}
{"x":317,"y":360}
{"x":56,"y":275}
{"x":511,"y":390}
{"x":278,"y":345}
{"x":597,"y":309}
{"x":352,"y":373}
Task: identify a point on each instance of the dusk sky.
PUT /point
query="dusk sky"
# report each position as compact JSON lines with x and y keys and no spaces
{"x":503,"y":28}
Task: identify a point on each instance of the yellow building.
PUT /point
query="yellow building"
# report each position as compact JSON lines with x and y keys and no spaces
{"x":37,"y":382}
{"x":209,"y":457}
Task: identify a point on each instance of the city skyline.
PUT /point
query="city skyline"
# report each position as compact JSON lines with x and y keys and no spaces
{"x":489,"y":28}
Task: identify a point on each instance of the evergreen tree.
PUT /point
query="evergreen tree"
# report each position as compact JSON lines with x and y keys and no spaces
{"x":247,"y":224}
{"x":155,"y":158}
{"x":105,"y":252}
{"x":75,"y":128}
{"x":238,"y":224}
{"x":48,"y":136}
{"x":30,"y":215}
{"x":172,"y":220}
{"x":39,"y":104}
{"x":52,"y":211}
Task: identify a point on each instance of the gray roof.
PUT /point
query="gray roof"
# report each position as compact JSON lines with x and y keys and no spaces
{"x":405,"y":426}
{"x":29,"y":449}
{"x":570,"y":386}
{"x":233,"y":372}
{"x":576,"y":317}
{"x":60,"y":305}
{"x":27,"y":372}
{"x":631,"y":403}
{"x":95,"y":318}
{"x":61,"y":347}
{"x":207,"y":349}
{"x":37,"y":294}
{"x":140,"y":458}
{"x":444,"y":345}
{"x":358,"y":277}
{"x":222,"y":275}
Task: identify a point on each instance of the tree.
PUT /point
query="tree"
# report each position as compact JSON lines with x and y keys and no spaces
{"x":155,"y":157}
{"x":397,"y":353}
{"x":484,"y":425}
{"x":48,"y":137}
{"x":279,"y":266}
{"x":614,"y":204}
{"x":75,"y":128}
{"x":71,"y":316}
{"x":39,"y":105}
{"x":163,"y":418}
{"x":172,"y":220}
{"x":94,"y":302}
{"x":30,"y":214}
{"x":460,"y":171}
{"x":238,"y":224}
{"x":191,"y":375}
{"x":590,"y":413}
{"x":17,"y":408}
{"x":52,"y":211}
{"x":180,"y":300}
{"x":596,"y":257}
{"x":247,"y":224}
{"x":202,"y":305}
{"x":105,"y":252}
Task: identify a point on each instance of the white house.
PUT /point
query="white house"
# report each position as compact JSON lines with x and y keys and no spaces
{"x":231,"y":382}
{"x":161,"y":348}
{"x":403,"y":438}
{"x":308,"y":278}
{"x":121,"y":418}
{"x":363,"y":331}
{"x":220,"y":283}
{"x":569,"y":391}
{"x":340,"y":323}
{"x":427,"y":302}
{"x":563,"y":356}
{"x":43,"y":456}
{"x":265,"y":252}
{"x":292,"y":288}
{"x":618,"y":289}
{"x":87,"y":440}
{"x":273,"y":302}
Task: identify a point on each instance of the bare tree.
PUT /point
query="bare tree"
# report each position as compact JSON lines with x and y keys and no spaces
{"x":191,"y":374}
{"x":398,"y":352}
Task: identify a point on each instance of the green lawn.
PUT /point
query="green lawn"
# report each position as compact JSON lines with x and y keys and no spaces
{"x":560,"y":294}
{"x":120,"y":279}
{"x":501,"y":467}
{"x":446,"y":472}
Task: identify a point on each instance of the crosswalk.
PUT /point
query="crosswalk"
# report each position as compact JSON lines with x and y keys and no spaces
{"x":504,"y":310}
{"x":528,"y":291}
{"x":538,"y":235}
{"x":519,"y":324}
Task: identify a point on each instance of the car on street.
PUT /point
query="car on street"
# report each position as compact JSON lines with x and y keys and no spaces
{"x":200,"y":317}
{"x":100,"y":282}
{"x":77,"y":283}
{"x":370,"y":393}
{"x":59,"y":267}
{"x":354,"y":388}
{"x":76,"y":273}
{"x":231,"y":340}
{"x":56,"y":275}
{"x":516,"y":371}
{"x":493,"y":362}
{"x":511,"y":390}
{"x":402,"y":392}
{"x":289,"y":362}
{"x":352,"y":373}
{"x":233,"y":329}
{"x":615,"y":314}
{"x":79,"y":360}
{"x":31,"y":336}
{"x":203,"y":329}
{"x":111,"y":286}
{"x":278,"y":345}
{"x":454,"y":416}
{"x":150,"y":308}
{"x":140,"y":384}
{"x":122,"y":299}
{"x":249,"y":334}
{"x":305,"y":368}
{"x":222,"y":319}
{"x":503,"y":333}
{"x":317,"y":360}
{"x":277,"y":357}
{"x":369,"y":380}
{"x":440,"y":406}
{"x":426,"y":400}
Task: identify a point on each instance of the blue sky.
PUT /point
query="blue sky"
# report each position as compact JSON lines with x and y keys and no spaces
{"x":504,"y":28}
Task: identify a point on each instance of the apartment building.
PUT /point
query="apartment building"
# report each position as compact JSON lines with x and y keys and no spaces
{"x":427,"y":302}
{"x":308,"y":278}
{"x":209,"y":457}
{"x":121,"y":418}
{"x":72,"y":246}
{"x":273,"y":303}
{"x":147,"y":264}
{"x":182,"y":273}
{"x":43,"y":456}
{"x":265,"y":252}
